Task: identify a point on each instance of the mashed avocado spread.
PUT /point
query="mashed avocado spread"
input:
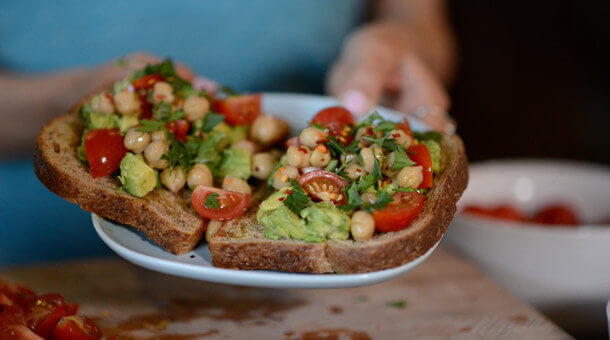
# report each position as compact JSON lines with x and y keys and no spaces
{"x":316,"y":223}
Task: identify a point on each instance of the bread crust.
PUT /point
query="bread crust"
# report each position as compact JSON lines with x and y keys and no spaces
{"x":236,"y":246}
{"x":165,"y":218}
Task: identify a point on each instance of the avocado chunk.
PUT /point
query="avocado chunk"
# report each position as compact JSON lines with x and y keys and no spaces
{"x":325,"y":221}
{"x":101,"y":121}
{"x":235,"y":162}
{"x":238,"y":133}
{"x":137,"y":178}
{"x":319,"y":222}
{"x":126,"y":122}
{"x":434,"y":148}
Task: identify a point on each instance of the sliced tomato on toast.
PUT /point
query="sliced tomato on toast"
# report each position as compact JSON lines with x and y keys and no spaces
{"x":218,"y":204}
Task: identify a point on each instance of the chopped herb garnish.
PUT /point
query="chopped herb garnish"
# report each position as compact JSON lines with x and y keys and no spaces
{"x":407,"y":189}
{"x":352,"y":147}
{"x":332,"y":165}
{"x":335,"y":147}
{"x":383,"y":198}
{"x":386,"y":142}
{"x":297,"y":200}
{"x":385,"y":126}
{"x":400,"y":304}
{"x":162,"y":111}
{"x":437,"y":136}
{"x":228,"y":91}
{"x":370,"y":120}
{"x":318,"y":126}
{"x":211,"y":120}
{"x":353,"y":198}
{"x":211,"y":202}
{"x":179,"y":154}
{"x":401,"y":160}
{"x":150,"y":125}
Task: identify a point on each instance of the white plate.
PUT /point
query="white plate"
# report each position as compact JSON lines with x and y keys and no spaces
{"x":132,"y":245}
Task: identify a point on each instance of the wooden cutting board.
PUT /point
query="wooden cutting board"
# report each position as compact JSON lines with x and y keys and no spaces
{"x":445,"y":297}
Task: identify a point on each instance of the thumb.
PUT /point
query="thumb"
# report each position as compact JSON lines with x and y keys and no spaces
{"x":359,"y":84}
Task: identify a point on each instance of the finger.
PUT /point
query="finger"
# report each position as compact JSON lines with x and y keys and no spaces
{"x":423,"y":95}
{"x":359,"y":83}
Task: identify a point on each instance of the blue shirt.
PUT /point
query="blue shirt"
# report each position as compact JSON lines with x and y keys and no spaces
{"x":254,"y":45}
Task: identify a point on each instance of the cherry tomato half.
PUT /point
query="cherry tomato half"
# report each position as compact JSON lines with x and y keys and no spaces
{"x":145,"y":106}
{"x":12,"y":315}
{"x":18,"y":294}
{"x":404,"y":126}
{"x":334,"y":119}
{"x":399,"y":213}
{"x":179,"y":128}
{"x":230,"y":204}
{"x":557,"y":214}
{"x":419,"y":154}
{"x":322,"y":185}
{"x":45,"y":312}
{"x":17,"y":332}
{"x":239,"y":109}
{"x":76,"y":328}
{"x":105,"y":150}
{"x":146,"y":82}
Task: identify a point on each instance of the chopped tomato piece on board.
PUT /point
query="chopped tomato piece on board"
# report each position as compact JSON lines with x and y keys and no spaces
{"x":76,"y":328}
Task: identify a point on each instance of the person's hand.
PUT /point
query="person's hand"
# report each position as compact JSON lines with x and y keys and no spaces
{"x":380,"y":63}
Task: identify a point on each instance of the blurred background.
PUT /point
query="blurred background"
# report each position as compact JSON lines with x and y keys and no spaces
{"x":532,"y":81}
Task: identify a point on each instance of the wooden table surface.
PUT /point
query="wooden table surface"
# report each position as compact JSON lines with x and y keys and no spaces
{"x":445,"y":297}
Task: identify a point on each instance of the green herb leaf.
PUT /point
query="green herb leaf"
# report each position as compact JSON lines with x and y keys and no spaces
{"x":318,"y":126}
{"x":383,"y":198}
{"x":366,"y":182}
{"x":386,"y":142}
{"x":211,"y":120}
{"x":228,"y":91}
{"x":400,"y":304}
{"x":401,"y":160}
{"x":385,"y":126}
{"x":179,"y":154}
{"x":407,"y":189}
{"x":353,"y":198}
{"x":162,"y":111}
{"x":370,"y":120}
{"x":377,"y":170}
{"x":353,"y":147}
{"x":150,"y":125}
{"x":211,"y":202}
{"x":332,"y":165}
{"x":437,"y":136}
{"x":335,"y":147}
{"x":298,"y":199}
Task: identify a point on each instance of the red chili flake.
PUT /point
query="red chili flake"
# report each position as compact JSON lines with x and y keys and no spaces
{"x":192,"y":256}
{"x":111,"y":98}
{"x":302,"y":149}
{"x":289,"y":192}
{"x":281,"y":199}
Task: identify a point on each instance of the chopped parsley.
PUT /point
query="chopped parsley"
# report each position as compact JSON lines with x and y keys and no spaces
{"x":211,"y":120}
{"x":401,"y":160}
{"x":385,"y":126}
{"x":162,"y":111}
{"x":353,"y":197}
{"x":436,"y":136}
{"x":297,"y":199}
{"x":179,"y":154}
{"x":150,"y":125}
{"x":211,"y":202}
{"x":318,"y":126}
{"x":335,"y":147}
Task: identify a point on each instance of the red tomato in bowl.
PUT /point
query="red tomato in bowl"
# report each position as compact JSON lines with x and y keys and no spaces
{"x":179,"y":128}
{"x":399,"y":213}
{"x":322,"y":185}
{"x":419,"y":154}
{"x":504,"y":212}
{"x":556,"y":214}
{"x":105,"y":150}
{"x":76,"y":328}
{"x":239,"y":109}
{"x":230,"y":204}
{"x":335,"y":119}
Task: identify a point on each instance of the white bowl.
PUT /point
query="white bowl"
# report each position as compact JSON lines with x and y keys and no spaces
{"x":549,"y":267}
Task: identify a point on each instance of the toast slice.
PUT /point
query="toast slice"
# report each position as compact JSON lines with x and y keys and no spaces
{"x":241,"y":242}
{"x":166,"y":218}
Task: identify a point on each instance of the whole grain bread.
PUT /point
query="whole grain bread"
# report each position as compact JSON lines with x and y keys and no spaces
{"x":166,"y":218}
{"x":241,"y":243}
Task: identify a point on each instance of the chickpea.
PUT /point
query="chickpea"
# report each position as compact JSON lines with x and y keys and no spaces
{"x":159,"y":135}
{"x":102,"y":104}
{"x":369,"y":197}
{"x":387,"y":165}
{"x":127,"y":103}
{"x":153,"y":153}
{"x":136,"y":141}
{"x":354,"y":171}
{"x":262,"y":165}
{"x":312,"y":136}
{"x":162,"y":92}
{"x":276,"y":154}
{"x":199,"y":174}
{"x":363,"y":226}
{"x":369,"y":154}
{"x":401,"y":138}
{"x":247,"y":145}
{"x":173,"y":179}
{"x":283,"y":174}
{"x":298,"y":156}
{"x":367,"y":131}
{"x":320,"y":157}
{"x":268,"y":130}
{"x":410,"y":176}
{"x":212,"y":229}
{"x":195,"y":107}
{"x":236,"y":184}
